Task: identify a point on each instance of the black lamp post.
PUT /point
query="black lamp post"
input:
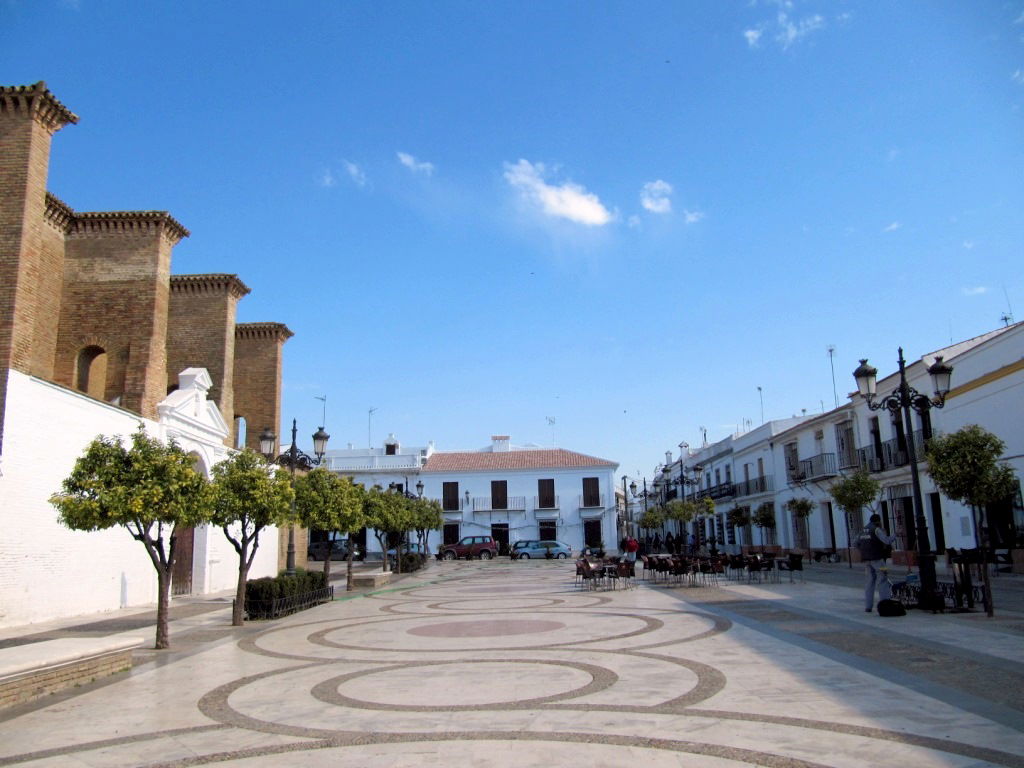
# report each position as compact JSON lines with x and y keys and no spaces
{"x":627,"y":527}
{"x":899,"y":403}
{"x":293,"y":459}
{"x":419,"y":489}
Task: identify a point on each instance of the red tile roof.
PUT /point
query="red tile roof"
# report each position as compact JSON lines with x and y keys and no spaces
{"x":479,"y":461}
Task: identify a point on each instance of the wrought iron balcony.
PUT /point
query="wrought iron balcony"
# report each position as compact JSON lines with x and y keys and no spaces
{"x":548,"y":503}
{"x":817,"y":467}
{"x":591,"y":502}
{"x":891,"y":454}
{"x":755,"y":485}
{"x":512,"y":504}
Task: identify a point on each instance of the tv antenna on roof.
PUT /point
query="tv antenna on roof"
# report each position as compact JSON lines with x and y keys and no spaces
{"x":551,"y":423}
{"x":323,"y":420}
{"x":831,"y":349}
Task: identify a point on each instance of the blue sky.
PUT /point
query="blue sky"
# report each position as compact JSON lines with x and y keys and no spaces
{"x":623,"y":216}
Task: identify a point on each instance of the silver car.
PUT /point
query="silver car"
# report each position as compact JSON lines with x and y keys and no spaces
{"x":540,"y":549}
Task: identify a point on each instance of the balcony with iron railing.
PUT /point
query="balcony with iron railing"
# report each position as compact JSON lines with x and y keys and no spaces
{"x":545,"y":503}
{"x":721,"y":491}
{"x":486,"y":504}
{"x":891,"y":454}
{"x":755,"y":485}
{"x":591,"y":502}
{"x":818,"y":467}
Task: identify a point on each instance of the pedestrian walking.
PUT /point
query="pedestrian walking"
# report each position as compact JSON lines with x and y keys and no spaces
{"x":874,"y":545}
{"x":632,"y":545}
{"x":657,"y":543}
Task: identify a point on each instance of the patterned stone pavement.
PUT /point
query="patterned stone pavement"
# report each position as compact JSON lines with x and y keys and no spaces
{"x":500,"y":663}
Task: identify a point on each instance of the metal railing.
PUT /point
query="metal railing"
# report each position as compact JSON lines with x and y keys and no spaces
{"x":538,"y":505}
{"x":891,"y":454}
{"x":588,"y":502}
{"x":282,"y":606}
{"x":822,"y":465}
{"x":755,"y":485}
{"x":486,"y":504}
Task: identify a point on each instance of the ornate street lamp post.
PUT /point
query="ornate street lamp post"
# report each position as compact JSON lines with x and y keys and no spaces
{"x":293,"y":459}
{"x":899,"y":403}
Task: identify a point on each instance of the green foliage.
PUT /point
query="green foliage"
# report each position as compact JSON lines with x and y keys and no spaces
{"x":328,"y":502}
{"x":150,"y":489}
{"x":250,"y":494}
{"x":855,"y":491}
{"x":681,"y":511}
{"x":764,"y":515}
{"x":388,"y":512}
{"x":965,"y":466}
{"x":800,"y":507}
{"x":150,"y":484}
{"x":738,"y":517}
{"x":652,"y":518}
{"x":706,"y":506}
{"x":260,"y":593}
{"x":426,"y":514}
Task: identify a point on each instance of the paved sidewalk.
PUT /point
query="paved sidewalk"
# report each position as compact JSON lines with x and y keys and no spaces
{"x":499,"y":663}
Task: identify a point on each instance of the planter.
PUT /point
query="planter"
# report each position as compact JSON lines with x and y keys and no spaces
{"x":282,"y":606}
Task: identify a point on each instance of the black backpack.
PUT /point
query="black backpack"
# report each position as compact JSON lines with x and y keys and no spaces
{"x":891,"y":608}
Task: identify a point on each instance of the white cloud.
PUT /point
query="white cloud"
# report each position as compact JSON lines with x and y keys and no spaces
{"x":785,"y":29}
{"x":976,"y":290}
{"x":892,"y":227}
{"x":654,"y":196}
{"x":634,"y":222}
{"x":692,"y":217}
{"x":355,"y":173}
{"x":415,"y":165}
{"x":565,"y":201}
{"x":327,"y":178}
{"x":1018,"y":76}
{"x":791,"y":32}
{"x":969,"y":244}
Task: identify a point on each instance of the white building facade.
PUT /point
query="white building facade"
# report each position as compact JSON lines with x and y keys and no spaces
{"x":513,"y":493}
{"x":48,"y":571}
{"x":802,"y":458}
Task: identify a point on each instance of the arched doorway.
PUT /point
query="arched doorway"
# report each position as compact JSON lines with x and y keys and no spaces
{"x":91,"y":371}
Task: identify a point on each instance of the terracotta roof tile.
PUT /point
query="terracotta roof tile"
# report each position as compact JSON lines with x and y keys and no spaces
{"x":479,"y":461}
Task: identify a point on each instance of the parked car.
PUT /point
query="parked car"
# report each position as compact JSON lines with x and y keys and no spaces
{"x":534,"y":549}
{"x":338,"y":549}
{"x":520,"y":545}
{"x":483,"y":547}
{"x":413,"y":547}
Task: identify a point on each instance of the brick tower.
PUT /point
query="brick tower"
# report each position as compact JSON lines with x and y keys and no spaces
{"x":30,"y":274}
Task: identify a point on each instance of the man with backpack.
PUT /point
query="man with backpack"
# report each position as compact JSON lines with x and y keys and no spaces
{"x":875,"y":545}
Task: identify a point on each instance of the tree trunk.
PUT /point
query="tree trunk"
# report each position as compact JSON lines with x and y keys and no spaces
{"x":327,"y":564}
{"x":163,"y":599}
{"x":985,"y":577}
{"x":238,"y":611}
{"x":348,"y":570}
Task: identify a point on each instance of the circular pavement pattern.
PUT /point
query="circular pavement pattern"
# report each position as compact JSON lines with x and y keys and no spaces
{"x":486,"y":628}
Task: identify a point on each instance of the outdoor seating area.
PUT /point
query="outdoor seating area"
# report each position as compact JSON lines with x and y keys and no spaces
{"x":605,"y":573}
{"x":691,"y":571}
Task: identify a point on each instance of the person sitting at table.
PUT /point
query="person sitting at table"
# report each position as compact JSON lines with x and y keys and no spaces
{"x":670,"y":543}
{"x":702,"y":551}
{"x":657,"y":543}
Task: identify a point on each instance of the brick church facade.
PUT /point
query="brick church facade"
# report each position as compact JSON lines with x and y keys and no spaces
{"x":88,"y":301}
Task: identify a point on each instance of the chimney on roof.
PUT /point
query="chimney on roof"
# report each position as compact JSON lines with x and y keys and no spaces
{"x":391,"y":445}
{"x":500,"y":444}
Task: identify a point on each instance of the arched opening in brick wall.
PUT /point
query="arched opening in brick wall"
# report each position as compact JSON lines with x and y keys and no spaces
{"x":91,"y":371}
{"x":241,"y":430}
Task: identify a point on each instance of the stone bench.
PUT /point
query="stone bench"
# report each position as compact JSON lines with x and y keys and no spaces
{"x":371,"y":579}
{"x":30,"y":671}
